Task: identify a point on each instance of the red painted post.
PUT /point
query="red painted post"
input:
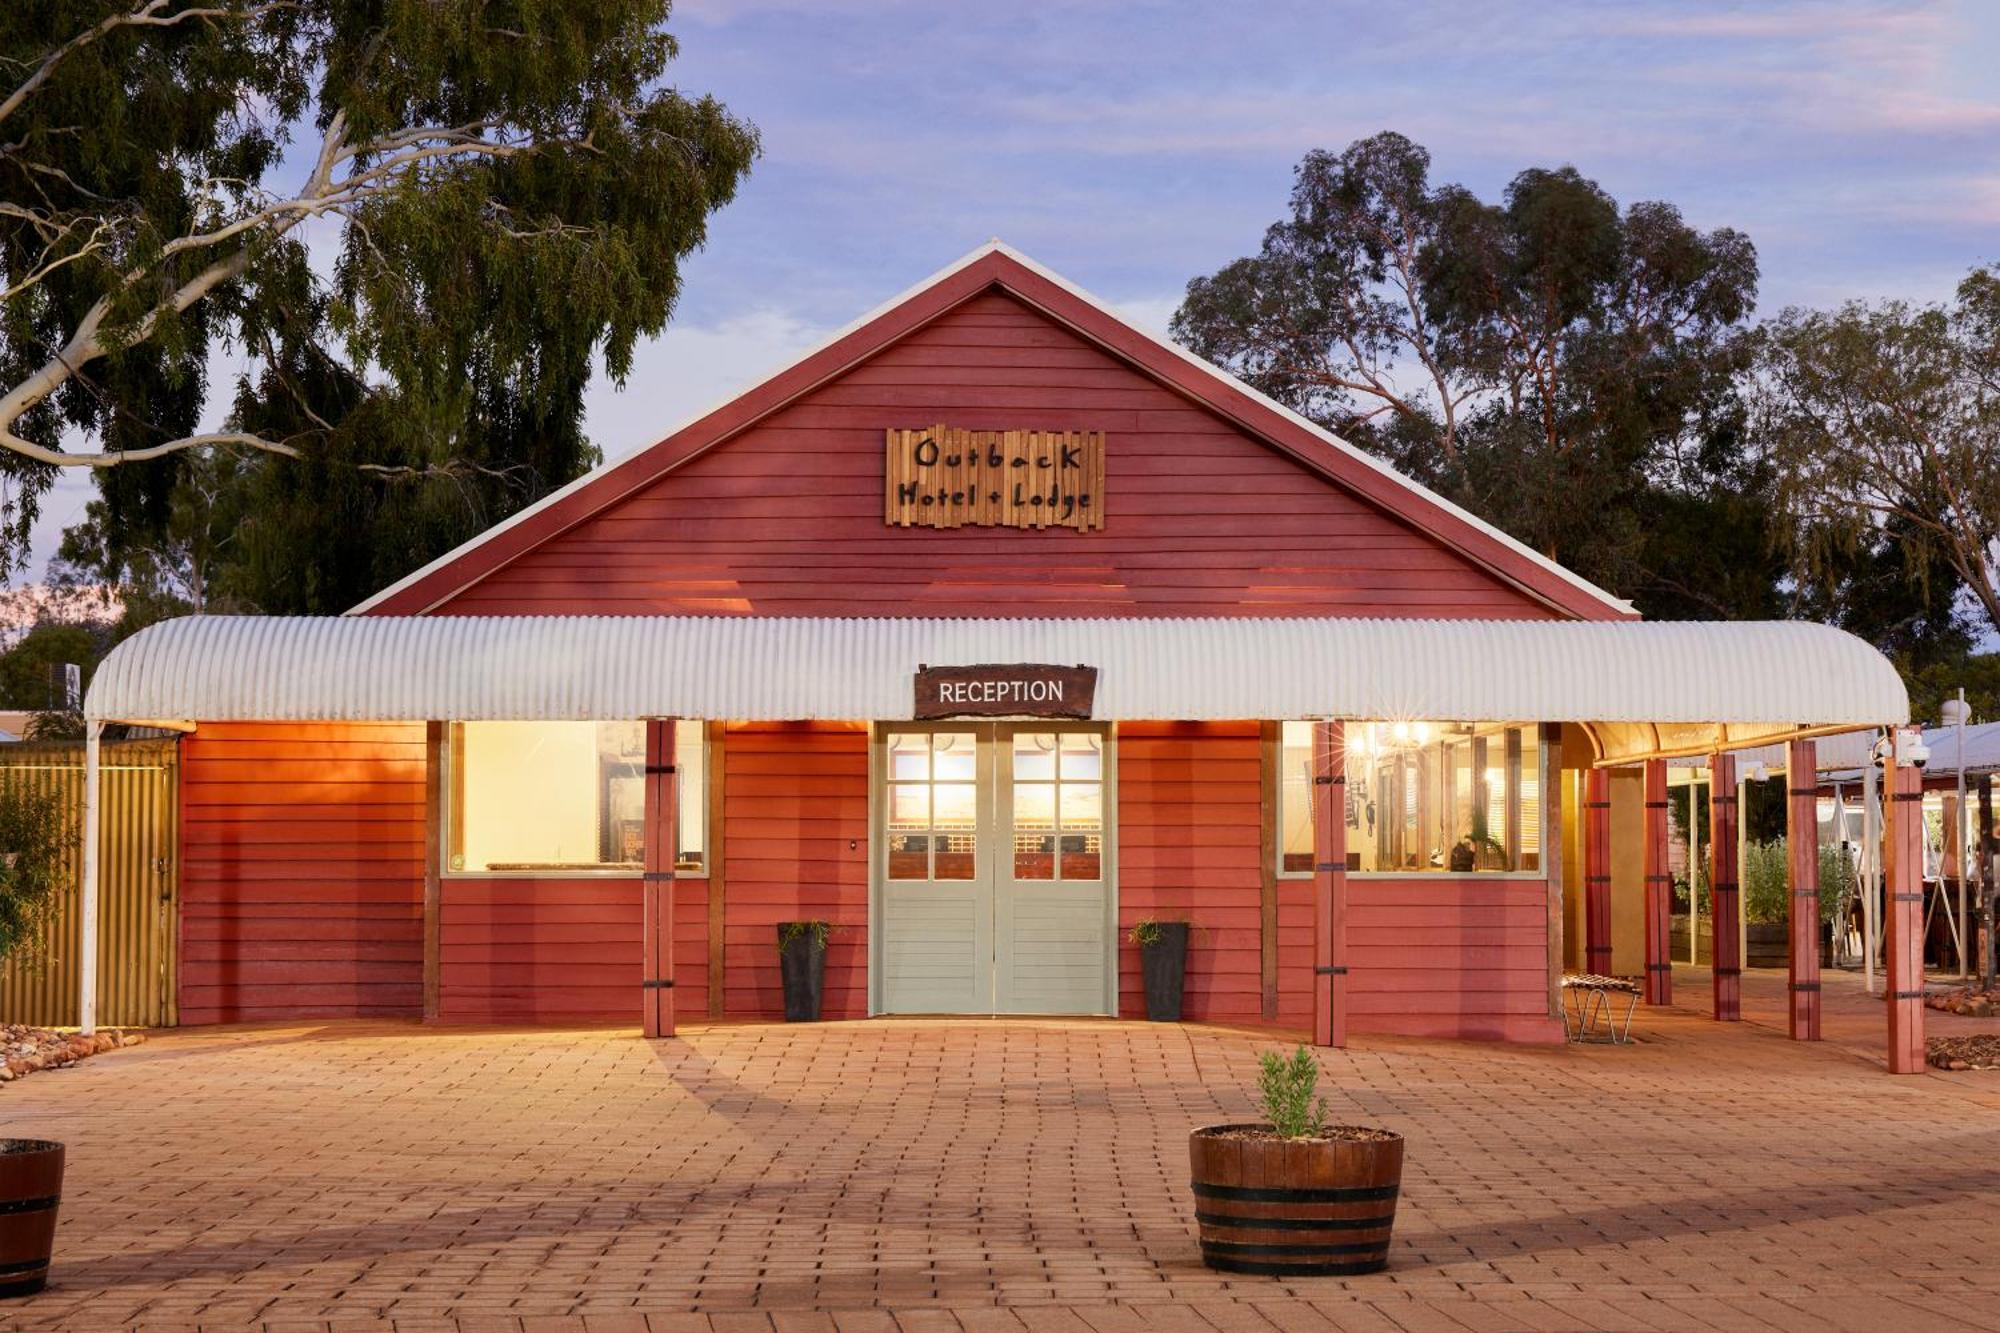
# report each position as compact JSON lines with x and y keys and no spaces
{"x":657,"y":892}
{"x":1903,"y":941}
{"x":1597,"y":872}
{"x":1726,"y":912}
{"x":1659,"y":889}
{"x":1802,"y":851}
{"x":1329,"y":885}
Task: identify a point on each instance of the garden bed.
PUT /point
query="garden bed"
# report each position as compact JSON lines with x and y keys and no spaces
{"x":24,"y":1050}
{"x":1980,"y":1052}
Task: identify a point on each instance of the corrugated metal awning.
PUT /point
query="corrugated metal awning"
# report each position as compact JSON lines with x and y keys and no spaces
{"x":1643,"y":687}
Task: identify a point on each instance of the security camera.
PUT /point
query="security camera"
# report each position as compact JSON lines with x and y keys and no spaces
{"x":1916,"y":753}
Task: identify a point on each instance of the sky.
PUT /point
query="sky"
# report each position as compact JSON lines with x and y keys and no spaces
{"x":1132,"y":146}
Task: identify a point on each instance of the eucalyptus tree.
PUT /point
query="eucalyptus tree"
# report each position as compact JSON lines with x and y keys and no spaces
{"x":1884,"y":420}
{"x":1563,"y":367}
{"x":408,"y":229}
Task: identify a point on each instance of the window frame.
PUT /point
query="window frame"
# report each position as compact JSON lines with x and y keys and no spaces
{"x":1275,"y":756}
{"x":447,"y":804}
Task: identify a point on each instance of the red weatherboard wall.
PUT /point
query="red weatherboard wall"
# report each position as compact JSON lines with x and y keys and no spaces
{"x":1189,"y":817}
{"x":795,"y":837}
{"x":302,"y":872}
{"x":559,"y":950}
{"x":787,"y":518}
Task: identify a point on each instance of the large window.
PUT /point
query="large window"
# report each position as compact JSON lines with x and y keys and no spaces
{"x":1421,"y":798}
{"x":556,"y":797}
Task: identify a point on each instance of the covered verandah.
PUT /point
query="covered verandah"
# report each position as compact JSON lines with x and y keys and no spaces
{"x":1640,"y":692}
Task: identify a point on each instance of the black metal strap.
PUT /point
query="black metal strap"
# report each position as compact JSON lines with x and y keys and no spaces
{"x":1659,"y":879}
{"x":1906,"y":995}
{"x":1724,"y":886}
{"x":1597,"y":879}
{"x":1725,"y":798}
{"x":1597,"y":805}
{"x":1331,"y":971}
{"x":659,"y":768}
{"x":658,"y":983}
{"x":1906,"y":897}
{"x":1909,"y":796}
{"x":1327,"y":867}
{"x":1805,"y":986}
{"x":1338,"y":779}
{"x":1659,"y":967}
{"x":1728,"y":971}
{"x":1804,"y":791}
{"x":1656,"y":805}
{"x":657,"y":876}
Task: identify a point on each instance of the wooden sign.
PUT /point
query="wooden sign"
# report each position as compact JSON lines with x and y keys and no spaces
{"x":943,"y":477}
{"x":1026,"y":689}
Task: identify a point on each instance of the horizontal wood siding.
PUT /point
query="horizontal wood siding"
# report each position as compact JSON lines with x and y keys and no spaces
{"x":795,"y":831}
{"x":559,"y":950}
{"x":787,"y":518}
{"x":1433,"y":957}
{"x":1189,"y":813}
{"x":302,"y":871}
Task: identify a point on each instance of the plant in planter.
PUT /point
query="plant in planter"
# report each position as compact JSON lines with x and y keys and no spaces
{"x":32,"y":836}
{"x":1163,"y":964}
{"x":1767,"y":901}
{"x":1836,"y":882}
{"x":802,"y":967}
{"x":1294,"y":1195}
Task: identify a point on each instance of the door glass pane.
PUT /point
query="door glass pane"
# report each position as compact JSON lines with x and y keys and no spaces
{"x":1034,"y":805}
{"x":909,"y":855}
{"x":1034,"y":855}
{"x":957,"y":856}
{"x":1034,"y":756}
{"x":954,"y":756}
{"x":956,"y":805}
{"x":1082,"y":757}
{"x":1082,"y":856}
{"x":909,"y":758}
{"x":909,"y":805}
{"x":1082,"y":805}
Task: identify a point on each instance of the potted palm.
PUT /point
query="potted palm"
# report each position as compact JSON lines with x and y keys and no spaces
{"x":1163,"y":965}
{"x":1292,"y":1195}
{"x":802,"y":967}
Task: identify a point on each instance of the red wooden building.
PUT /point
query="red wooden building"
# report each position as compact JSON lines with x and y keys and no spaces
{"x":815,"y":656}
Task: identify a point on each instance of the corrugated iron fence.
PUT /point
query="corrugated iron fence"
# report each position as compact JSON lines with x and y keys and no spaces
{"x":135,"y":958}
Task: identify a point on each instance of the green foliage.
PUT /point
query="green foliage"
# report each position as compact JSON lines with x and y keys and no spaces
{"x":27,"y":669}
{"x":1885,"y":425}
{"x":790,"y":932}
{"x":1836,"y":881}
{"x":510,"y":188}
{"x":1564,"y":368}
{"x":1285,"y":1091}
{"x":1767,"y":886}
{"x":1148,"y":932}
{"x":33,"y":830}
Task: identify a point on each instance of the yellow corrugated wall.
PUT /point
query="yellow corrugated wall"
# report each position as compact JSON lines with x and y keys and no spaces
{"x":136,"y":894}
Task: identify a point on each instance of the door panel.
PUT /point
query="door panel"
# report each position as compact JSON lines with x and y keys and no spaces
{"x":992,"y":866}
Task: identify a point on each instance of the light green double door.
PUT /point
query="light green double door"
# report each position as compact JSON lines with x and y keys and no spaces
{"x":993,"y":869}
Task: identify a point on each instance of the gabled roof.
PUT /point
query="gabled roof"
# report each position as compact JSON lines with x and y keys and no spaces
{"x":995,"y":265}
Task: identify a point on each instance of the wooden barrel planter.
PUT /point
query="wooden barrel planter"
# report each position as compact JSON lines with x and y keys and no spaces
{"x":31,"y":1172}
{"x":1295,"y":1207}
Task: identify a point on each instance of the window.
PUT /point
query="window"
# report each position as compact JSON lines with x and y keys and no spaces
{"x":1421,"y":797}
{"x":1058,"y":805}
{"x":566,"y":796}
{"x":933,"y":819}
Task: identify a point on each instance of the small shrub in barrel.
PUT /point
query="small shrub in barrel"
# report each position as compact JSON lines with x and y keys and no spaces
{"x":802,"y":967}
{"x":1163,"y":965}
{"x":1294,"y":1196}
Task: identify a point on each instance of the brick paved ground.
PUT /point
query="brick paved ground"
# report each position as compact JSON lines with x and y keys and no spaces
{"x":937,"y":1177}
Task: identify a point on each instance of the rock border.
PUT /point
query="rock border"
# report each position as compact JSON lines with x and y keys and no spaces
{"x":25,"y":1049}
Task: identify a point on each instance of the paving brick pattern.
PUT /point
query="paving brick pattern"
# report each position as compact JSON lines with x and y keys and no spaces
{"x":1025,"y":1177}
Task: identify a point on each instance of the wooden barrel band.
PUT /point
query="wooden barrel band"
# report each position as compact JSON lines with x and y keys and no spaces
{"x":1247,"y":1222}
{"x":1247,"y":1248}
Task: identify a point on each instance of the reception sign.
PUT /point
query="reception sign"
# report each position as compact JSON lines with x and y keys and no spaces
{"x":945,"y":477}
{"x":1025,"y":689}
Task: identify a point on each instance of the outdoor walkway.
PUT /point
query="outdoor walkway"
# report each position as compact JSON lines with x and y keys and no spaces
{"x":938,"y":1176}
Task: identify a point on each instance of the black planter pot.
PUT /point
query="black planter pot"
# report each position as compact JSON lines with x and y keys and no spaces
{"x":802,"y":965}
{"x":1163,"y":963}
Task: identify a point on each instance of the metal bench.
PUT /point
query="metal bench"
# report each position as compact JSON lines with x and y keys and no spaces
{"x":1589,"y":1002}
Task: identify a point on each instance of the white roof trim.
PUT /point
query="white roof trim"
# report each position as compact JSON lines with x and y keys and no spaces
{"x":1632,"y":678}
{"x":973,"y":256}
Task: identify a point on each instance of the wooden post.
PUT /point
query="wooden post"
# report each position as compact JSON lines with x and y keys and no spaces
{"x":1726,"y":909}
{"x":1329,"y":885}
{"x":716,"y":868}
{"x":1903,"y":940}
{"x":1802,"y":851}
{"x":657,"y":917}
{"x":1659,"y":889}
{"x":1551,"y":787}
{"x":1987,"y":887}
{"x":1597,"y":872}
{"x":435,"y":853}
{"x":1271,"y":755}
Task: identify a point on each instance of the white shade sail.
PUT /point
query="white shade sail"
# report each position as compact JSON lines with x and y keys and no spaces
{"x":1644,"y":687}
